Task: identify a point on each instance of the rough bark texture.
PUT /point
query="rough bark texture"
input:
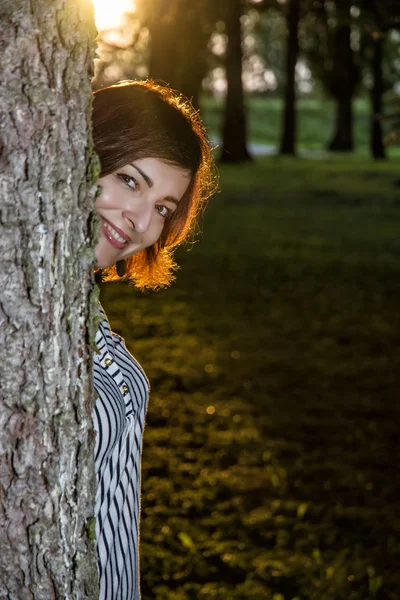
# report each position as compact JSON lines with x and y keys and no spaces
{"x":377,"y":144}
{"x":234,"y":131}
{"x":288,"y":143}
{"x":47,"y":483}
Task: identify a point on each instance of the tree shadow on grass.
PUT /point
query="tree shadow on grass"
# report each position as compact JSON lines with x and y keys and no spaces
{"x":271,"y":449}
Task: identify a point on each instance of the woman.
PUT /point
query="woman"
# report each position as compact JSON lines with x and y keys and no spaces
{"x":156,"y":173}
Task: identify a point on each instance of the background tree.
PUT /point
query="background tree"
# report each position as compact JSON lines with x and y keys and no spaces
{"x":378,"y":39}
{"x":380,"y":20}
{"x":179,"y":33}
{"x":271,"y":32}
{"x":329,"y":48}
{"x":343,"y":78}
{"x":234,"y":149}
{"x":288,"y":141}
{"x":47,"y":484}
{"x":387,"y":12}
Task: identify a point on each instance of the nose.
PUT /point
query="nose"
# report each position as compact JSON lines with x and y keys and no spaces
{"x":140,"y":217}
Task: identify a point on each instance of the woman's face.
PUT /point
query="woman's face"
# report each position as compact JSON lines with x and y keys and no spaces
{"x":133,"y":205}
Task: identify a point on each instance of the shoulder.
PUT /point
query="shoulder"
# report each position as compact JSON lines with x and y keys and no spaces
{"x":103,"y":333}
{"x":107,"y":338}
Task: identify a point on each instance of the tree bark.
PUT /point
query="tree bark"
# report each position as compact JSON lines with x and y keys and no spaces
{"x":47,"y":481}
{"x":167,"y":63}
{"x":377,"y":144}
{"x":288,"y":142}
{"x":234,"y":131}
{"x":179,"y":35}
{"x":342,"y":140}
{"x":344,"y":79}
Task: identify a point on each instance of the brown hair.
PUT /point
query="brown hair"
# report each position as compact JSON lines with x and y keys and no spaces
{"x":141,"y":119}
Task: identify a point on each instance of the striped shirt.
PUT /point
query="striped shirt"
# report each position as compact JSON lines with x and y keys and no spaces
{"x":119,"y":416}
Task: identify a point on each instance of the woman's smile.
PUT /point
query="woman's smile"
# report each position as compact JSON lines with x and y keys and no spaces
{"x":115,"y":236}
{"x":134,"y":203}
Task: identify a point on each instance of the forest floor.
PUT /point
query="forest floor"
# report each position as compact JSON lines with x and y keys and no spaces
{"x":271,"y":450}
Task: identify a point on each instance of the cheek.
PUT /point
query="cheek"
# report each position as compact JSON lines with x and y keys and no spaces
{"x":155,"y":231}
{"x":107,"y":196}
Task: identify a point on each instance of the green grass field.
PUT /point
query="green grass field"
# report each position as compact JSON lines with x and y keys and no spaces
{"x":271,"y":451}
{"x":315,"y":121}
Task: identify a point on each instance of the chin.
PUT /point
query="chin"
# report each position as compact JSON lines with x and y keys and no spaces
{"x":102,"y":262}
{"x":101,"y":265}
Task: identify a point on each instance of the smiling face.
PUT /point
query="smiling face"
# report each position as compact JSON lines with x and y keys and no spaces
{"x":134,"y":204}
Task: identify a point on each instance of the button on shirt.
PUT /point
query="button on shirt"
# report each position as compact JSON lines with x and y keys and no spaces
{"x":119,"y":416}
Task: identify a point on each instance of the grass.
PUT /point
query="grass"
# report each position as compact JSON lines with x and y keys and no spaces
{"x":270,"y":464}
{"x":315,"y":121}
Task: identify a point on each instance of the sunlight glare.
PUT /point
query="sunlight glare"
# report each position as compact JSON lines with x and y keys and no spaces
{"x":108,"y":15}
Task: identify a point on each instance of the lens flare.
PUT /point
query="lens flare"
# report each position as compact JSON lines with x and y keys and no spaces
{"x":108,"y":15}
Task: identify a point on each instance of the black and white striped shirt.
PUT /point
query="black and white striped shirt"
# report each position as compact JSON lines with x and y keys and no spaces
{"x":120,"y":411}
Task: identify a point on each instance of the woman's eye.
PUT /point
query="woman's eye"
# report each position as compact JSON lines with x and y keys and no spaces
{"x":163,"y":211}
{"x":128,"y":180}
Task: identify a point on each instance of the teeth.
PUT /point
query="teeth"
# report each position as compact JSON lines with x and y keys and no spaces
{"x":114,"y":233}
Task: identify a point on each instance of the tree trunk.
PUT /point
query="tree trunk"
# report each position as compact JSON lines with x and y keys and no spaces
{"x":234,"y":132}
{"x":344,"y":80}
{"x":288,"y":142}
{"x":342,"y":140}
{"x":377,"y":145}
{"x":169,"y":63}
{"x":47,"y":482}
{"x":179,"y":35}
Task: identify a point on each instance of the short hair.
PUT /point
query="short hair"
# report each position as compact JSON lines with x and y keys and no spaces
{"x":141,"y":119}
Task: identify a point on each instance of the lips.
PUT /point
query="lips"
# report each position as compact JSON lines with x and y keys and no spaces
{"x":109,"y":230}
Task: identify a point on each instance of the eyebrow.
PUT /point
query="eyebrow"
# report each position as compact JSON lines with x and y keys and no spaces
{"x":150,"y":183}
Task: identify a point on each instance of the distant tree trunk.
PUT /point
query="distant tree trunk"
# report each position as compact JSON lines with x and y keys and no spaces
{"x":179,"y":35}
{"x":47,"y":483}
{"x":342,"y":140}
{"x":343,"y":85}
{"x":234,"y":131}
{"x":169,"y":63}
{"x":377,"y":145}
{"x":288,"y":142}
